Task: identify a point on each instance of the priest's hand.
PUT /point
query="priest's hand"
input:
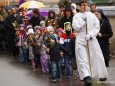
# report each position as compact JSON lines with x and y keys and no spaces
{"x":73,"y":7}
{"x":84,"y":16}
{"x":88,"y":37}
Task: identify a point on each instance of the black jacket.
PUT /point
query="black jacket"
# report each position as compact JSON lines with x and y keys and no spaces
{"x":55,"y":52}
{"x":8,"y":24}
{"x":63,"y":20}
{"x":106,"y":31}
{"x":72,"y":46}
{"x":35,"y":21}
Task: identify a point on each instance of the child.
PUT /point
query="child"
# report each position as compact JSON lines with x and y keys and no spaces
{"x":60,"y":31}
{"x":55,"y":58}
{"x":21,"y":34}
{"x":44,"y":58}
{"x":30,"y":41}
{"x":37,"y":47}
{"x":51,"y":30}
{"x":42,"y":24}
{"x":66,"y":40}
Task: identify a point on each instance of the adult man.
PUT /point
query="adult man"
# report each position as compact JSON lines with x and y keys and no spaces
{"x":35,"y":20}
{"x":95,"y":67}
{"x":67,"y":17}
{"x":93,"y":7}
{"x":10,"y":25}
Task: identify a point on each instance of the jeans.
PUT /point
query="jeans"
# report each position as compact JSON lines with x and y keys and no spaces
{"x":67,"y":61}
{"x":55,"y":70}
{"x":37,"y":60}
{"x":22,"y":55}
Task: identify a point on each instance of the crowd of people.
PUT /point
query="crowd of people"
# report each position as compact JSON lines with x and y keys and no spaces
{"x":48,"y":43}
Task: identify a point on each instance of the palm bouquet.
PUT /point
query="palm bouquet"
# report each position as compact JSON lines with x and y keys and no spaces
{"x":15,"y":24}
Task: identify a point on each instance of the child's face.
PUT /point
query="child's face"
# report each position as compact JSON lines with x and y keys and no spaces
{"x":51,"y":31}
{"x":38,"y":32}
{"x":43,"y":25}
{"x":59,"y":33}
{"x":21,"y":28}
{"x":68,"y":27}
{"x":30,"y":35}
{"x":51,"y":15}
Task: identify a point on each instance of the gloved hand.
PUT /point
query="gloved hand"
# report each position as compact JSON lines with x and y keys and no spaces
{"x":73,"y":7}
{"x":88,"y":37}
{"x":84,"y":16}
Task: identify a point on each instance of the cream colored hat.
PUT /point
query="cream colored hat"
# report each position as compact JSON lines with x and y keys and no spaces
{"x":30,"y":31}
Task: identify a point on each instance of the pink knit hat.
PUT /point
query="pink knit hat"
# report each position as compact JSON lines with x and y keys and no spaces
{"x":60,"y":29}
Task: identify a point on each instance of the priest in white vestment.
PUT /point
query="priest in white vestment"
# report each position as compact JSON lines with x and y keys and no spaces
{"x":95,"y":68}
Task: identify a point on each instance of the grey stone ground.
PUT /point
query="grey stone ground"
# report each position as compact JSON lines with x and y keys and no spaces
{"x":13,"y":73}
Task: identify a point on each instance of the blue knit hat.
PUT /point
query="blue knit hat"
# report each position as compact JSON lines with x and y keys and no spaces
{"x":68,"y":8}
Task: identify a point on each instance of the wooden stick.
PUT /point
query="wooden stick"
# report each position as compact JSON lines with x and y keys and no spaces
{"x":88,"y":52}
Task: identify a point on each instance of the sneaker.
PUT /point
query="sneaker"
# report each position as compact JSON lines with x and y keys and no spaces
{"x":77,"y":74}
{"x":75,"y":78}
{"x":54,"y":80}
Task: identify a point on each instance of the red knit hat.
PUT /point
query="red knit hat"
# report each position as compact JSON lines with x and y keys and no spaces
{"x":40,"y":29}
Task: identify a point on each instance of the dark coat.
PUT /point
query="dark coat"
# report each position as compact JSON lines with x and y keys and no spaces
{"x":37,"y":48}
{"x":63,"y":20}
{"x":72,"y":47}
{"x":106,"y":31}
{"x":8,"y":24}
{"x":35,"y":21}
{"x":2,"y":32}
{"x":55,"y":52}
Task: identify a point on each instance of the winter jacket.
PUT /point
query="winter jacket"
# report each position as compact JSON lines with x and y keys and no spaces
{"x":55,"y":52}
{"x":35,"y":21}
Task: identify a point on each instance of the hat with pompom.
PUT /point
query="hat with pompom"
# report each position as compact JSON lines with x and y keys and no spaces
{"x":28,"y":27}
{"x":49,"y":28}
{"x":30,"y":31}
